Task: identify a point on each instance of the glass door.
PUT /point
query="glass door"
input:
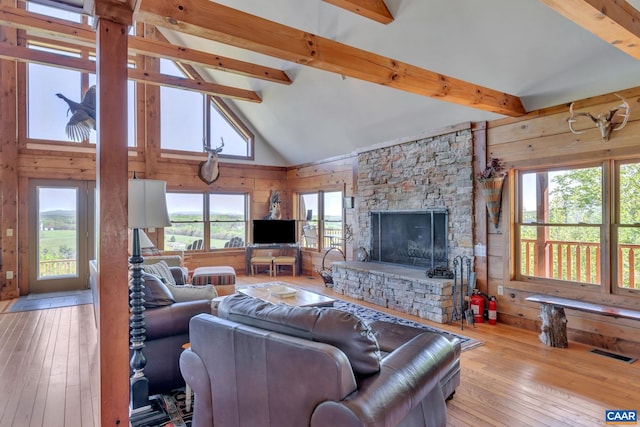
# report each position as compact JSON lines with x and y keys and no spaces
{"x":61,"y":234}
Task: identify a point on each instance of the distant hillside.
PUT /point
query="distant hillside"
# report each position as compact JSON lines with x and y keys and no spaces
{"x":58,"y":220}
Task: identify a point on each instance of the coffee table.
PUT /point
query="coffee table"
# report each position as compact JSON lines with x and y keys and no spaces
{"x":296,"y":297}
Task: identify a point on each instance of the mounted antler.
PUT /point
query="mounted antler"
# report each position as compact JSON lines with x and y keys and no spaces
{"x":602,"y":121}
{"x":208,"y":171}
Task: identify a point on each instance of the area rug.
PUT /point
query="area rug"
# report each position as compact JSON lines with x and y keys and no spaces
{"x":50,"y":300}
{"x":169,"y":410}
{"x":369,"y":315}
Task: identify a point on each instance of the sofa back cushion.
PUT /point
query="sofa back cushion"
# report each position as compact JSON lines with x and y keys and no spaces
{"x":322,"y":324}
{"x":156,"y":293}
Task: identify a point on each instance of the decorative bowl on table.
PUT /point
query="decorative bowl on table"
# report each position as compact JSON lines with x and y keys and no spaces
{"x":282,"y":291}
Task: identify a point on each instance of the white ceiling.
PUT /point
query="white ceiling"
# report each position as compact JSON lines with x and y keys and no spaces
{"x":520,"y":47}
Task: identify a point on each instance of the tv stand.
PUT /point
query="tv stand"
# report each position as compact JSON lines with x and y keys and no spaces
{"x":278,"y":246}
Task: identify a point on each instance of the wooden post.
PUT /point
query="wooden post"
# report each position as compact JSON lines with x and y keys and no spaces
{"x":112,"y":185}
{"x":554,"y":326}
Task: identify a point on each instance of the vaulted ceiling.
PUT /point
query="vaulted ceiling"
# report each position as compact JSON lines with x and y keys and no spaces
{"x":329,"y":77}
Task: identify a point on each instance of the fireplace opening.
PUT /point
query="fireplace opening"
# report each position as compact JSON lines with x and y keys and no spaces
{"x":412,"y":238}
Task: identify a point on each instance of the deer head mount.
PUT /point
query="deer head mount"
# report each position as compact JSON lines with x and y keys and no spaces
{"x":208,"y":171}
{"x":604,"y":122}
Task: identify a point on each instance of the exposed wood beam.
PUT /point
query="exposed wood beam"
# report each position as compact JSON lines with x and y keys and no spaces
{"x":614,"y":21}
{"x":372,"y":9}
{"x":30,"y":55}
{"x":193,"y":57}
{"x":203,"y":18}
{"x":59,"y":29}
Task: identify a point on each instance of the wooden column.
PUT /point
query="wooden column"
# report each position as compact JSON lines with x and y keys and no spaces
{"x":112,"y":185}
{"x":480,"y":238}
{"x":9,"y":170}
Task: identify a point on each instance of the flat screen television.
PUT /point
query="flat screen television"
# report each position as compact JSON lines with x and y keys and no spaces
{"x":270,"y":231}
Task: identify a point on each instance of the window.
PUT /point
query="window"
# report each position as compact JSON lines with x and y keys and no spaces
{"x":628,"y":227}
{"x":47,"y":114}
{"x":201,"y":221}
{"x":332,"y":215}
{"x":183,"y":114}
{"x":308,"y":220}
{"x":561,"y":228}
{"x":320,"y":219}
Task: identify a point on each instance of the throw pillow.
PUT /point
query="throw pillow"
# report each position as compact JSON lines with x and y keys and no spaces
{"x":160,"y":269}
{"x":327,"y":325}
{"x":183,"y":293}
{"x":156,"y":293}
{"x":150,"y":251}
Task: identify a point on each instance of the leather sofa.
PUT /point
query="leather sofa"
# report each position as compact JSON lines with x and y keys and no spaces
{"x":268,"y":365}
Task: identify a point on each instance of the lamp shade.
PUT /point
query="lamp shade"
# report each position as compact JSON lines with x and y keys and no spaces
{"x":148,"y":203}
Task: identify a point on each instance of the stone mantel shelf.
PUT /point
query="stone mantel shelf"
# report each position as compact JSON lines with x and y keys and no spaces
{"x":389,"y":270}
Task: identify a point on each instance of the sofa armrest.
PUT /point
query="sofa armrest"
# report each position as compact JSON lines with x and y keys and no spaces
{"x":174,"y":319}
{"x":196,"y":376}
{"x":407,"y":376}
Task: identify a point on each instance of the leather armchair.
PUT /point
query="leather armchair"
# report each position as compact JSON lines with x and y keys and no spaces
{"x":167,"y":324}
{"x":277,"y":365}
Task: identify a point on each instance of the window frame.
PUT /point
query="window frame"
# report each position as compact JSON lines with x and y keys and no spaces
{"x":609,"y":226}
{"x":321,"y":219}
{"x":206,"y":219}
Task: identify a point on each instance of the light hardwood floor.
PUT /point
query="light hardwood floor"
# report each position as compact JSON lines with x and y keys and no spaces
{"x":48,"y":373}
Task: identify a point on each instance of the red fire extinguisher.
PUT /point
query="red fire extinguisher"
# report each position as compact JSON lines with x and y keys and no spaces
{"x":493,"y":310}
{"x":477,"y":305}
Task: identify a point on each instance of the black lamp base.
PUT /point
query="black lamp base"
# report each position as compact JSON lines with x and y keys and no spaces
{"x":151,"y":415}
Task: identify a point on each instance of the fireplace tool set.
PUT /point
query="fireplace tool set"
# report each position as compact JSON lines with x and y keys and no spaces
{"x":464,"y":313}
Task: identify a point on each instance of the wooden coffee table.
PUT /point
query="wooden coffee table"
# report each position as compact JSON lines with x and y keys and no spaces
{"x":296,"y":297}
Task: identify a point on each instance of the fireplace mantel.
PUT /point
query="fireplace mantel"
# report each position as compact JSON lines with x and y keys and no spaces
{"x":403,"y":289}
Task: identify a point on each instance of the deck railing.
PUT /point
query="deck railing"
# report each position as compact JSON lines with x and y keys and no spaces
{"x":58,"y":267}
{"x":577,"y":262}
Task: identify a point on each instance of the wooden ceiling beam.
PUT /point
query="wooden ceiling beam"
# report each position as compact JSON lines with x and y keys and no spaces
{"x":59,"y":29}
{"x":614,"y":21}
{"x":62,"y":61}
{"x":204,"y":18}
{"x":372,"y":9}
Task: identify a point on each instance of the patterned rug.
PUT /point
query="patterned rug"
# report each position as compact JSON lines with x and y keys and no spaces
{"x":168,"y":410}
{"x":370,"y":315}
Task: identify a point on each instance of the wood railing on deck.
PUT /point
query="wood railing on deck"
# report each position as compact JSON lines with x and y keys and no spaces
{"x":59,"y":267}
{"x":577,"y":261}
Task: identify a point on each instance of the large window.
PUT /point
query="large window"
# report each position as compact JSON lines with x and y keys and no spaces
{"x":564,"y":221}
{"x":628,"y":227}
{"x":201,"y":221}
{"x":48,"y":114}
{"x":190,"y":120}
{"x":320,"y":220}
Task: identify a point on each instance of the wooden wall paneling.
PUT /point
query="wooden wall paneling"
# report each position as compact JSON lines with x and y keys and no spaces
{"x":480,"y":224}
{"x":112,"y":185}
{"x":9,"y":172}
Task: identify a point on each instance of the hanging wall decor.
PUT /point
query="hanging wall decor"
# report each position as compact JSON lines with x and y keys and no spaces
{"x":490,"y":182}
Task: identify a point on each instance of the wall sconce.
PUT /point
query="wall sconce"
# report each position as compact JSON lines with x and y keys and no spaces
{"x":348,"y":202}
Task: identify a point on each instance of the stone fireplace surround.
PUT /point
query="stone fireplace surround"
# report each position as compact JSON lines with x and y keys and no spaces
{"x":416,"y":174}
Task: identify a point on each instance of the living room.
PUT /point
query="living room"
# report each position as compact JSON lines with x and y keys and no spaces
{"x":538,"y":141}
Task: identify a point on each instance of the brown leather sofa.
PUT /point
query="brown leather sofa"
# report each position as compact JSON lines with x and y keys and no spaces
{"x":274,"y":365}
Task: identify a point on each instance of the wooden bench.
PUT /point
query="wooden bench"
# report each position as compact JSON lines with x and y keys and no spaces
{"x":554,"y":321}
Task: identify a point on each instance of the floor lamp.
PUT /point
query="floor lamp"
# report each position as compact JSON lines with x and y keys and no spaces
{"x":147,"y":209}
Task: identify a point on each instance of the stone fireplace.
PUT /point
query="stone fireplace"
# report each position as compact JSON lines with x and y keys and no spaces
{"x":433,"y":173}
